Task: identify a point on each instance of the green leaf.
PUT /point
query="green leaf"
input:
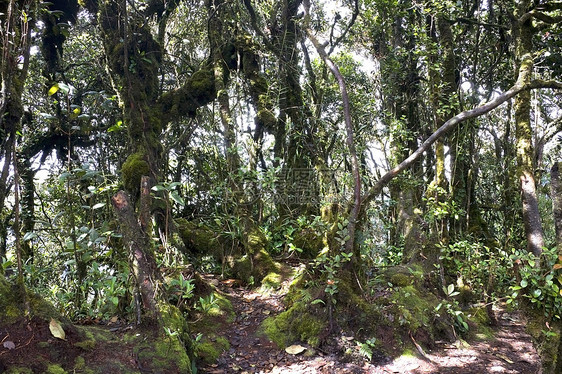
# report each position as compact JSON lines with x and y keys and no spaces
{"x":98,"y":205}
{"x":158,"y":188}
{"x":116,"y":127}
{"x":177,"y":198}
{"x":29,"y":235}
{"x":523,"y":283}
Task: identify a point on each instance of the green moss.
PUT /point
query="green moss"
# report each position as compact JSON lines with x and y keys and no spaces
{"x":163,"y":353}
{"x":198,"y":239}
{"x":257,"y":263}
{"x":133,"y":169}
{"x":16,"y":370}
{"x":202,"y":84}
{"x":414,"y":309}
{"x":298,"y":323}
{"x":401,"y":280}
{"x":55,"y":369}
{"x":479,"y":323}
{"x":211,"y":348}
{"x":309,"y":241}
{"x":547,"y":345}
{"x":272,"y":281}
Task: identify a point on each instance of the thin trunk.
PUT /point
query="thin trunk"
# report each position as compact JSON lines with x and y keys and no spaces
{"x":556,"y":195}
{"x":355,"y":209}
{"x":523,"y":35}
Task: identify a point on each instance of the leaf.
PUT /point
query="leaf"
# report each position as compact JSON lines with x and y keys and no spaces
{"x":53,"y":90}
{"x":29,"y":235}
{"x":8,"y":344}
{"x":116,"y":127}
{"x":98,"y":205}
{"x":450,"y":289}
{"x":177,"y":198}
{"x":57,"y":330}
{"x":523,"y":283}
{"x":295,"y":349}
{"x":63,"y":87}
{"x":557,"y":266}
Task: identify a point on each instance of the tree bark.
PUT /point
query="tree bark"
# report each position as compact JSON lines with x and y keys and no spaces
{"x":556,"y":195}
{"x":138,"y":242}
{"x":523,"y":34}
{"x":353,"y":217}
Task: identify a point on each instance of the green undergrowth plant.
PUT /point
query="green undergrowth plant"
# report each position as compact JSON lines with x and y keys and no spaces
{"x":540,"y":283}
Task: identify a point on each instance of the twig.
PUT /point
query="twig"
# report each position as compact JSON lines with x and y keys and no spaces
{"x":420,"y":349}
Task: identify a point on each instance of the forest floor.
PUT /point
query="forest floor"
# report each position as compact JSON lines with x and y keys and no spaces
{"x":509,"y":351}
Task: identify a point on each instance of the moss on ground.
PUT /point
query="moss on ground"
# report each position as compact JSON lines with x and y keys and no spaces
{"x":210,"y":348}
{"x":298,"y":323}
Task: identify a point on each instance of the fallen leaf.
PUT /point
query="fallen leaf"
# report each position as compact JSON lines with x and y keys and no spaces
{"x":8,"y":344}
{"x":505,"y":358}
{"x":295,"y":349}
{"x":114,"y":319}
{"x":57,"y":330}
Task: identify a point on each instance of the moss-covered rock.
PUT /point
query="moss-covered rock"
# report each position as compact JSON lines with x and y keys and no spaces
{"x":298,"y":323}
{"x":272,"y":281}
{"x":210,"y":348}
{"x":198,"y":239}
{"x":256,"y":263}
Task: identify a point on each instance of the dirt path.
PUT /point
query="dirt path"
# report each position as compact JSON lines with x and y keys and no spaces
{"x":510,"y":352}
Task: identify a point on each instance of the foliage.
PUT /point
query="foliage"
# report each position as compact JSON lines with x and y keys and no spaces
{"x":541,"y":286}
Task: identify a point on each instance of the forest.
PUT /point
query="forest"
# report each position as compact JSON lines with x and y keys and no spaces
{"x":293,"y":186}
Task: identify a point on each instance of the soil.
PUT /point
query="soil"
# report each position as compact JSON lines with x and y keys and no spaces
{"x":510,"y":351}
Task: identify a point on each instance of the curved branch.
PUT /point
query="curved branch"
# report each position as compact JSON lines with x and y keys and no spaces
{"x":449,"y":125}
{"x":349,"y":26}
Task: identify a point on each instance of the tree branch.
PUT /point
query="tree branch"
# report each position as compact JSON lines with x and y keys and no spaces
{"x":198,"y":90}
{"x":449,"y":125}
{"x":356,"y":207}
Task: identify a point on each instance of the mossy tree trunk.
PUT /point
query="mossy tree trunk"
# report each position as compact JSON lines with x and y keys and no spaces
{"x":401,"y":98}
{"x":523,"y":35}
{"x":17,"y":22}
{"x":134,"y":58}
{"x":556,"y":194}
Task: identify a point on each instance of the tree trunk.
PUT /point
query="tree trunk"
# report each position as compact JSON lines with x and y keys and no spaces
{"x":139,"y":245}
{"x":523,"y":35}
{"x":556,"y":195}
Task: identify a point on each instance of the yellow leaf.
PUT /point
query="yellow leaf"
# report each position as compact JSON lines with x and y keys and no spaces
{"x":557,"y":266}
{"x":57,"y":330}
{"x":53,"y":90}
